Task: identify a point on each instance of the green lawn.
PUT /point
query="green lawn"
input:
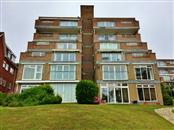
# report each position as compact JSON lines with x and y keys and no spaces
{"x":79,"y":117}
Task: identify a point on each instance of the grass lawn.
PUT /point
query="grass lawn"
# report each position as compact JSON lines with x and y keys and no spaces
{"x":79,"y":117}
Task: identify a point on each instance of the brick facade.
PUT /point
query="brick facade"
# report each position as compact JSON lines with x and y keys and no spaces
{"x":134,"y":66}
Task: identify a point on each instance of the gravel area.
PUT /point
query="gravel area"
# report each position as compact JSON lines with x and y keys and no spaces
{"x":166,"y":113}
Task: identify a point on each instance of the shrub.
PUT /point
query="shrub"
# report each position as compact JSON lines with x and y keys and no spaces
{"x":10,"y":99}
{"x":2,"y":97}
{"x":168,"y":100}
{"x":86,"y":91}
{"x":37,"y":95}
{"x":167,"y":96}
{"x":51,"y":100}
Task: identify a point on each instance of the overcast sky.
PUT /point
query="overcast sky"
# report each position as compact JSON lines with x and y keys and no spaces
{"x":156,"y":19}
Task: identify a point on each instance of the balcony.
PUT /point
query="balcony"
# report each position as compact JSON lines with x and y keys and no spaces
{"x":169,"y":64}
{"x":120,"y":27}
{"x":40,"y":46}
{"x":145,"y":57}
{"x":53,"y":26}
{"x":27,"y":56}
{"x":117,"y":38}
{"x":53,"y":37}
{"x":134,"y":46}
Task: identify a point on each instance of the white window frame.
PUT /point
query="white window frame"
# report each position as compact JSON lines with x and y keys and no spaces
{"x":62,"y":56}
{"x":106,"y":37}
{"x":106,"y":24}
{"x":115,"y":72}
{"x":38,"y":53}
{"x":114,"y":87}
{"x":109,"y":46}
{"x":35,"y":71}
{"x":66,"y":46}
{"x":110,"y":55}
{"x":63,"y":71}
{"x":142,"y":86}
{"x":68,"y":24}
{"x":144,"y":66}
{"x":68,"y":37}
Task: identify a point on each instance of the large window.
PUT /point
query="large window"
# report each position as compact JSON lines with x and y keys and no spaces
{"x":32,"y":72}
{"x":105,"y":24}
{"x":108,"y":46}
{"x":67,"y":37}
{"x":144,"y":72}
{"x":68,"y":23}
{"x":63,"y":72}
{"x":66,"y":91}
{"x":66,"y":46}
{"x":115,"y":72}
{"x":146,"y":92}
{"x":106,"y":37}
{"x":64,"y":57}
{"x":114,"y":93}
{"x":111,"y":57}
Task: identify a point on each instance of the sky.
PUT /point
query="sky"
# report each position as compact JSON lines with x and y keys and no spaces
{"x":156,"y":17}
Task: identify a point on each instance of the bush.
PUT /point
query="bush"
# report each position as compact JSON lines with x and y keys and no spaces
{"x":168,"y":100}
{"x":51,"y":100}
{"x":167,"y":96}
{"x":10,"y":99}
{"x":37,"y":95}
{"x":2,"y":97}
{"x":86,"y":91}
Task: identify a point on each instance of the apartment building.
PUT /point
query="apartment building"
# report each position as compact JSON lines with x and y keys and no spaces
{"x":166,"y":70}
{"x":8,"y":68}
{"x":108,"y":51}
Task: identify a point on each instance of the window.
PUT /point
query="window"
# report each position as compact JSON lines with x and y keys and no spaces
{"x":11,"y":70}
{"x":163,"y":72}
{"x":146,"y":92}
{"x":4,"y":64}
{"x":126,"y":22}
{"x":32,"y":72}
{"x":114,"y":93}
{"x":111,"y":46}
{"x":66,"y":46}
{"x":115,"y":72}
{"x":13,"y":58}
{"x":7,"y":67}
{"x":38,"y":53}
{"x":42,"y":43}
{"x":161,"y":63}
{"x":105,"y":24}
{"x":67,"y":37}
{"x":66,"y":91}
{"x":68,"y":23}
{"x":131,"y":44}
{"x":144,"y":72}
{"x":9,"y":54}
{"x":106,"y":37}
{"x":166,"y":77}
{"x":111,"y":57}
{"x":171,"y":62}
{"x":137,"y":54}
{"x":63,"y":72}
{"x":64,"y":57}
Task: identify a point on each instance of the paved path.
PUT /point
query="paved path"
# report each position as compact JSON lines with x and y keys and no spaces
{"x":166,"y":113}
